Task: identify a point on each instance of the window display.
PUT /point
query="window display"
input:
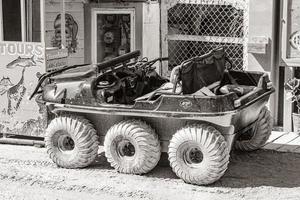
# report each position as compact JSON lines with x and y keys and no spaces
{"x":113,"y":35}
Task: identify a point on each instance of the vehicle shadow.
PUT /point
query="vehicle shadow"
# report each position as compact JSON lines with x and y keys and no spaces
{"x":252,"y":169}
{"x":246,"y":169}
{"x":262,"y":168}
{"x":101,"y":162}
{"x":162,"y":170}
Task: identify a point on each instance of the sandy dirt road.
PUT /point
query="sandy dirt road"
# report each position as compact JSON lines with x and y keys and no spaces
{"x":27,"y":173}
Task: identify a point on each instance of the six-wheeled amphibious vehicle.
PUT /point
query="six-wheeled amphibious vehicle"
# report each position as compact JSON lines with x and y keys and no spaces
{"x":197,"y":116}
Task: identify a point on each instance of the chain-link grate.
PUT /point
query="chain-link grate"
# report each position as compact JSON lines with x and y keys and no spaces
{"x":194,"y":27}
{"x":183,"y":50}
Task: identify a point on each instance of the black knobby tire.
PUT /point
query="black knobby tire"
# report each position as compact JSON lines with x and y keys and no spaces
{"x":198,"y":154}
{"x":132,"y":147}
{"x":258,"y":135}
{"x":71,"y":141}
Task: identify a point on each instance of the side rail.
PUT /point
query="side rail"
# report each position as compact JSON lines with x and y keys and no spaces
{"x":264,"y":87}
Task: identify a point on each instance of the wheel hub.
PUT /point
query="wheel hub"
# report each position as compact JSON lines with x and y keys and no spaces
{"x":126,"y":148}
{"x":193,"y":156}
{"x":66,"y":143}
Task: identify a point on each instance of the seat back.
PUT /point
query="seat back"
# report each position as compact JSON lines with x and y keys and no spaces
{"x":202,"y":71}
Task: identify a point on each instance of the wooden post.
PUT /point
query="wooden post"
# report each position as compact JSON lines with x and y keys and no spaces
{"x":28,"y":15}
{"x":63,"y":24}
{"x":163,"y":35}
{"x":23,"y":20}
{"x":1,"y":22}
{"x":288,"y":105}
{"x":274,"y":100}
{"x":42,"y":13}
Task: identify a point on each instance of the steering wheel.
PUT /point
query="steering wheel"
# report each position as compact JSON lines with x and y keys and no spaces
{"x":109,"y":81}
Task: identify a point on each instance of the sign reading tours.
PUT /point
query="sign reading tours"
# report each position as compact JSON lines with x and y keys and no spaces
{"x":21,"y":64}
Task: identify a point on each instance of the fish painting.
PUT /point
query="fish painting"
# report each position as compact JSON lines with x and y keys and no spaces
{"x":21,"y":62}
{"x":5,"y":84}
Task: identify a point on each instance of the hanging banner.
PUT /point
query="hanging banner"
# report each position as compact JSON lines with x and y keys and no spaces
{"x":21,"y":64}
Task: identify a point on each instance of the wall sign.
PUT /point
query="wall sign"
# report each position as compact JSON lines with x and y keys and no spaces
{"x":21,"y":63}
{"x":56,"y":58}
{"x":71,"y":32}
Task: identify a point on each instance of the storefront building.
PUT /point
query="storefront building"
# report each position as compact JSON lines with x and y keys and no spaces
{"x":42,"y":35}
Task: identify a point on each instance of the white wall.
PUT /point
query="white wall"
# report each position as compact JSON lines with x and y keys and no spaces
{"x":151,"y":30}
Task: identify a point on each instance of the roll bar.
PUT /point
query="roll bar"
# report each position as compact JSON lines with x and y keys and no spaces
{"x":118,"y":60}
{"x":110,"y":63}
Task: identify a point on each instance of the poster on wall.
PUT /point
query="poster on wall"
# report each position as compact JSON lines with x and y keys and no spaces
{"x":71,"y":29}
{"x":74,"y":28}
{"x":21,"y":64}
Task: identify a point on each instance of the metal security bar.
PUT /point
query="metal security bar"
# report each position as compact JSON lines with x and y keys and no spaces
{"x":193,"y":27}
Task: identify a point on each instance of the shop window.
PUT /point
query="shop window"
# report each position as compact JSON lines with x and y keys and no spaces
{"x":12,"y":20}
{"x":113,"y":32}
{"x":12,"y":28}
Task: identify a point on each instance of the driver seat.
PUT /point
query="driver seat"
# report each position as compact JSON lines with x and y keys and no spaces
{"x":199,"y":72}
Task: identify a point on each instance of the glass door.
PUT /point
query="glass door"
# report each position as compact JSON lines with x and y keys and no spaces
{"x":112,"y":33}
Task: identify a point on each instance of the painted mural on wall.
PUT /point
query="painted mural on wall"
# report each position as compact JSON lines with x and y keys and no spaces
{"x":20,"y":65}
{"x":71,"y":33}
{"x":74,"y":11}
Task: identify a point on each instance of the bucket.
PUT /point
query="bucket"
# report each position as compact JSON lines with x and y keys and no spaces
{"x":296,"y":122}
